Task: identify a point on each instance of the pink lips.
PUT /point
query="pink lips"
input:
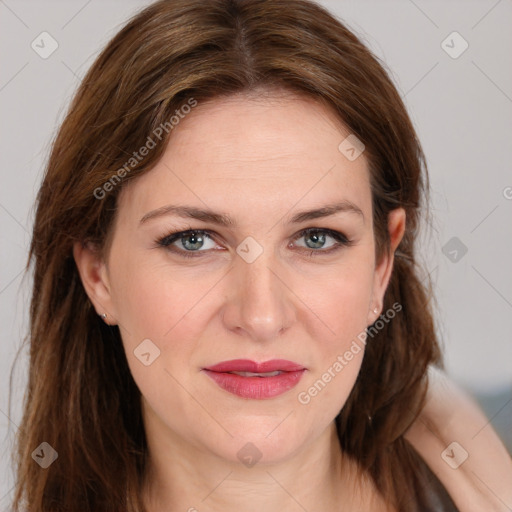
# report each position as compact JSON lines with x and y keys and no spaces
{"x":256,"y":386}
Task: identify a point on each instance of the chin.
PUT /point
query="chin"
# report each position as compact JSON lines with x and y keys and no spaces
{"x":268,"y":442}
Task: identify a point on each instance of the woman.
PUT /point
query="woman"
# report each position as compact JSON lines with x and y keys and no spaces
{"x":226,"y":310}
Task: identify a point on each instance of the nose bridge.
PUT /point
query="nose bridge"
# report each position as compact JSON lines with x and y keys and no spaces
{"x":260,"y":304}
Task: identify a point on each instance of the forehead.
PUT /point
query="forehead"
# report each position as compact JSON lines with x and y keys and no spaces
{"x":253,"y":153}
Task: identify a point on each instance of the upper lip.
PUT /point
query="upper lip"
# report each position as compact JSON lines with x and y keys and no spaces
{"x":246,"y":365}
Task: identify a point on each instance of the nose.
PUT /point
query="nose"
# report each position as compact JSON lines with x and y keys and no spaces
{"x":260,"y":303}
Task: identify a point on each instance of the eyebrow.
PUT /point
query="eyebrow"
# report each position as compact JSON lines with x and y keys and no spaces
{"x":221,"y":219}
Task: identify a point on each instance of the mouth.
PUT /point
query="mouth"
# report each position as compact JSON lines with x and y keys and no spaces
{"x":257,"y":381}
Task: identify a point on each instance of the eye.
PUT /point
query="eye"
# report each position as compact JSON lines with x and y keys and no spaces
{"x":187,"y":242}
{"x":192,"y":242}
{"x":318,"y":239}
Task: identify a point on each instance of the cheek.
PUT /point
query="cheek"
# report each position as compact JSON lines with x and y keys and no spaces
{"x":341,"y":300}
{"x":343,"y":307}
{"x":152,"y":301}
{"x":164,"y":317}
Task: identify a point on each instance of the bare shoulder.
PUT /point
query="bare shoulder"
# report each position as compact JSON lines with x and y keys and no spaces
{"x":460,"y":446}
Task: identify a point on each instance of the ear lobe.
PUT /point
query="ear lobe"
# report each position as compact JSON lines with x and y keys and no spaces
{"x":94,"y":276}
{"x":382,"y":275}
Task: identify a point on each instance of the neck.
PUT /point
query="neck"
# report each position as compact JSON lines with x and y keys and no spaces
{"x":184,"y":477}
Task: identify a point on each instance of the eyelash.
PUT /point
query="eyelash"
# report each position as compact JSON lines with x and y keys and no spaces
{"x":341,"y":241}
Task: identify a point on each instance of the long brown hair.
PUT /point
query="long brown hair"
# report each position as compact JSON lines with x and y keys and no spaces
{"x":81,"y":397}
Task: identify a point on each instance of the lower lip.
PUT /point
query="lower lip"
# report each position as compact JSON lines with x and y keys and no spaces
{"x":257,"y":388}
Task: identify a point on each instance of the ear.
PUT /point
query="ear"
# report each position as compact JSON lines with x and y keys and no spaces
{"x":382,"y":275}
{"x":94,"y":275}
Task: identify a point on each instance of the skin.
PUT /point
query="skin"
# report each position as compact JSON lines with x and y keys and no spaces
{"x":483,"y":481}
{"x":259,"y":160}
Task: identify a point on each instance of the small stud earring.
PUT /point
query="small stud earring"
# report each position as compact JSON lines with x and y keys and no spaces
{"x":376,"y":310}
{"x":104,"y":316}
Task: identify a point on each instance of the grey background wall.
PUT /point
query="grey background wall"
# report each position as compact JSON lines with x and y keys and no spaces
{"x":458,"y":88}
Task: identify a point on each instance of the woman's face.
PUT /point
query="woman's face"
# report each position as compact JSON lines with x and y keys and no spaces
{"x":253,"y":288}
